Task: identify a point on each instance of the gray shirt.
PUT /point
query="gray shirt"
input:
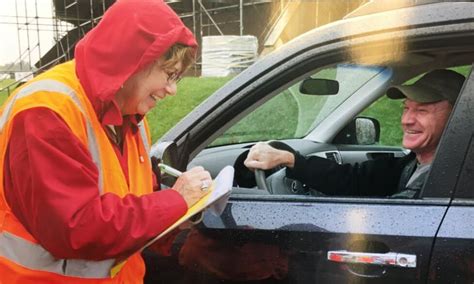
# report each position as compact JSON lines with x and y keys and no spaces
{"x":418,"y":177}
{"x":416,"y":181}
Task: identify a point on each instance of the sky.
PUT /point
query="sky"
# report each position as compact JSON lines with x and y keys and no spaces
{"x":12,"y":42}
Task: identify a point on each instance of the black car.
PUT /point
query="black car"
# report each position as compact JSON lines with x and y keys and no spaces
{"x":312,"y":94}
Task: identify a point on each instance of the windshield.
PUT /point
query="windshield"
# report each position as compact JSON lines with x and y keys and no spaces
{"x":291,"y":114}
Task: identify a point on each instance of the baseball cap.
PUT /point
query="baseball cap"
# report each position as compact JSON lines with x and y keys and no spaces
{"x":434,"y":86}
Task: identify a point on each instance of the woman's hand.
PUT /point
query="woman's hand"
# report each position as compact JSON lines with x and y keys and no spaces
{"x":192,"y":185}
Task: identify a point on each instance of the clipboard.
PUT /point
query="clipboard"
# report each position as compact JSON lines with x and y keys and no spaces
{"x":215,"y":200}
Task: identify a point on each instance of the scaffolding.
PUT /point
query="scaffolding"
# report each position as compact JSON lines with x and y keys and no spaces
{"x":28,"y":24}
{"x":71,"y":19}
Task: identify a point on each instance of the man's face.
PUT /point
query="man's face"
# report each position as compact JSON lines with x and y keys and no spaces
{"x":423,"y":124}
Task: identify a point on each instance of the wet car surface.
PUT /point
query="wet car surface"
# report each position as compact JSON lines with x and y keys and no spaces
{"x":294,"y":235}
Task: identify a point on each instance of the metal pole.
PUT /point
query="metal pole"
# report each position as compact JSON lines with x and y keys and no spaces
{"x":241,"y":18}
{"x":55,"y":28}
{"x":92,"y":13}
{"x":209,"y":15}
{"x":65,"y":52}
{"x":78,"y":22}
{"x":194,"y":31}
{"x":28,"y":35}
{"x":200,"y":21}
{"x":38,"y":33}
{"x":18,"y":32}
{"x":194,"y":16}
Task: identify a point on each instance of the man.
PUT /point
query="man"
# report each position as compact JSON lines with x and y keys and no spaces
{"x":427,"y":106}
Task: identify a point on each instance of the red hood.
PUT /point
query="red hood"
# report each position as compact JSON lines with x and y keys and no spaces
{"x":131,"y":35}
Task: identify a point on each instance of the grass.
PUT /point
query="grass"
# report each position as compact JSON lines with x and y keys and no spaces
{"x":388,"y":112}
{"x":4,"y":93}
{"x":191,"y":92}
{"x":277,"y":118}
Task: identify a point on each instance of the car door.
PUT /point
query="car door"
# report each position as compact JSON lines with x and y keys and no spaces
{"x":301,"y":239}
{"x":306,"y":239}
{"x":452,"y":258}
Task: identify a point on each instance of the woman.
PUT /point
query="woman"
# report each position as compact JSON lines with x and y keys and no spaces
{"x":77,"y":200}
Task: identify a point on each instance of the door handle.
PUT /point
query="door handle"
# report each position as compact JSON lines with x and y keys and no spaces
{"x":383,"y":259}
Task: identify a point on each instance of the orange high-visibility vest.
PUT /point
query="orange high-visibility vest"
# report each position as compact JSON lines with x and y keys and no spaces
{"x":22,"y":258}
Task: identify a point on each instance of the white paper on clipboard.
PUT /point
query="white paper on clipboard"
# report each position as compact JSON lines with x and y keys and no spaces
{"x":216,"y":200}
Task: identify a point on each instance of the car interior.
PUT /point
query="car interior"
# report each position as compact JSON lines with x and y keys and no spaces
{"x":338,"y":112}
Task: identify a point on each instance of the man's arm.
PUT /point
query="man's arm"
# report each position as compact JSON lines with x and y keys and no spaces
{"x":377,"y":177}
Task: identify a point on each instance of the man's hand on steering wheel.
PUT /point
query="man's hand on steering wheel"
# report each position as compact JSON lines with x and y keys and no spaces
{"x":264,"y":156}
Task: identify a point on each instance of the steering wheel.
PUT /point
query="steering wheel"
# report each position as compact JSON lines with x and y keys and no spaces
{"x":260,"y":176}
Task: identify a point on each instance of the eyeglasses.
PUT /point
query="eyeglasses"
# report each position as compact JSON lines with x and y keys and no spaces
{"x":173,"y":77}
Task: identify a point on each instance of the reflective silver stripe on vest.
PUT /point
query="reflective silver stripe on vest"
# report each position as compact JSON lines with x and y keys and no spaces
{"x":34,"y":256}
{"x":37,"y":258}
{"x":38,"y":86}
{"x":58,"y":88}
{"x":144,"y":136}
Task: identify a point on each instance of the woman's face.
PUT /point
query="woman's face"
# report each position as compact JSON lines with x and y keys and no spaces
{"x":143,"y":89}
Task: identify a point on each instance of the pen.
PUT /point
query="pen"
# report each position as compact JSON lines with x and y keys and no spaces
{"x":174,"y":172}
{"x":169,"y":170}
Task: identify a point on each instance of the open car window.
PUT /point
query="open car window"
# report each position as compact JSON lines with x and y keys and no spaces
{"x":292,"y":113}
{"x":388,"y":113}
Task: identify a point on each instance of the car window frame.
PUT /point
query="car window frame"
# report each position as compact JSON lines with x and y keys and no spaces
{"x":456,"y":141}
{"x":464,"y":190}
{"x":443,"y":198}
{"x":446,"y":172}
{"x":464,"y":193}
{"x":440,"y":197}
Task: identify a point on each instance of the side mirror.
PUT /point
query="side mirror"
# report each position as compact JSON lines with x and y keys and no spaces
{"x":360,"y":131}
{"x":164,"y":152}
{"x":319,"y":87}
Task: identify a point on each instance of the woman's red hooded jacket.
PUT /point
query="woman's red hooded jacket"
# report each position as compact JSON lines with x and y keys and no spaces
{"x":43,"y":185}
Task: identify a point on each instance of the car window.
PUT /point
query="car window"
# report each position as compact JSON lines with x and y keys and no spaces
{"x":292,"y":114}
{"x":388,"y":113}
